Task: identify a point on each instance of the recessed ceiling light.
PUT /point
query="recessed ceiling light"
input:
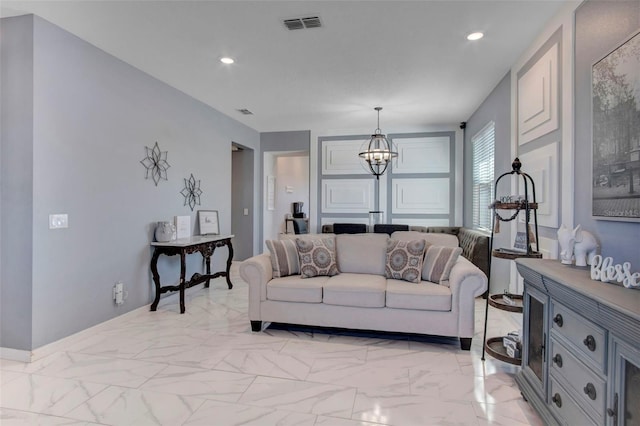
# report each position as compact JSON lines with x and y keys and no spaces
{"x":226,"y":60}
{"x":475,"y":36}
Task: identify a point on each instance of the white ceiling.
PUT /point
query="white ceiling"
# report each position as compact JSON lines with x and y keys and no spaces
{"x":410,"y":57}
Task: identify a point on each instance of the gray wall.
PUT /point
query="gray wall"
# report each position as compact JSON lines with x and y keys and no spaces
{"x":241,"y":198}
{"x":16,"y":198}
{"x":93,"y":115}
{"x":600,"y":27}
{"x":497,"y":108}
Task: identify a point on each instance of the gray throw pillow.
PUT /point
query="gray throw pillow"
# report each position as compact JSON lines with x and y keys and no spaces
{"x":438,"y":261}
{"x":284,"y":257}
{"x":317,"y":257}
{"x":404,"y":260}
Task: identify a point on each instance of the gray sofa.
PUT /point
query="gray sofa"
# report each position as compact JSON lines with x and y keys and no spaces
{"x":360,"y":297}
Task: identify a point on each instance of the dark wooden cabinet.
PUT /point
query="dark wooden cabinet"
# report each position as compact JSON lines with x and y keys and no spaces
{"x":581,"y":339}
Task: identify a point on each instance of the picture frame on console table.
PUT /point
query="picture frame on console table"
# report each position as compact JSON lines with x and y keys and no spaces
{"x":208,"y":220}
{"x":615,"y":101}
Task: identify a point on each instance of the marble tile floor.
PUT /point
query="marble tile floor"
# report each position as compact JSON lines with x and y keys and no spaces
{"x":206,"y":367}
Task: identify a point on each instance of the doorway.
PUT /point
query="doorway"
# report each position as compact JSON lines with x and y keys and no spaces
{"x":242,"y":194}
{"x":286,"y":180}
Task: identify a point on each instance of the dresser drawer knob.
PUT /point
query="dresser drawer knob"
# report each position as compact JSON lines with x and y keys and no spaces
{"x":590,"y":342}
{"x":558,"y":320}
{"x":557,"y":400}
{"x":558,"y":360}
{"x":590,"y":390}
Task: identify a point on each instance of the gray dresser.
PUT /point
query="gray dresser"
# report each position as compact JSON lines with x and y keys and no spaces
{"x":581,"y":346}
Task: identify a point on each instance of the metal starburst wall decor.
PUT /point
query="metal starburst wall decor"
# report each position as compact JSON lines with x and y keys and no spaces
{"x":191,"y":192}
{"x":156,"y":163}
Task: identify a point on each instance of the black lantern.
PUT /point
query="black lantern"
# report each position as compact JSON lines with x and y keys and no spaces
{"x":378,"y":152}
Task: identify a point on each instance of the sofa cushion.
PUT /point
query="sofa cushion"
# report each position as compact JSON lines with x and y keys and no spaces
{"x":284,"y":257}
{"x":363,"y":290}
{"x":425,"y":295}
{"x":361,"y":253}
{"x":404,"y":260}
{"x":446,"y":240}
{"x":317,"y":257}
{"x":294,"y":288}
{"x":438,"y":261}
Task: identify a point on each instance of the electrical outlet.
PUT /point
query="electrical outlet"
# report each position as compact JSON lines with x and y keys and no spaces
{"x":245,"y":211}
{"x":58,"y":221}
{"x":118,"y":293}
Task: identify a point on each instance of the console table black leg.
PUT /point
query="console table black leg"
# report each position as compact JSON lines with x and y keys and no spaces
{"x":156,"y":278}
{"x":183,"y":269}
{"x":256,"y":326}
{"x":229,"y":259}
{"x":207,"y":262}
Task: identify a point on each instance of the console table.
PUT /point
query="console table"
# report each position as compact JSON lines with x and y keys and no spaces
{"x":205,"y":245}
{"x":581,"y":346}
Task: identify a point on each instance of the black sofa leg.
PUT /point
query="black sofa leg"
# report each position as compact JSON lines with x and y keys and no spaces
{"x":465,"y":343}
{"x":256,"y":325}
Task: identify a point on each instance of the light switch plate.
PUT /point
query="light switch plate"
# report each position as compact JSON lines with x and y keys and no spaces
{"x":58,"y":221}
{"x":245,"y":212}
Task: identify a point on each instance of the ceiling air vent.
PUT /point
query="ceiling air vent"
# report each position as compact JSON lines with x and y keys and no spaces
{"x":311,"y":22}
{"x":244,"y":111}
{"x":302,"y":23}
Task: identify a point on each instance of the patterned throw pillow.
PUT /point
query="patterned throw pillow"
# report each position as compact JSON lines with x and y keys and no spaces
{"x":317,"y":257}
{"x":404,"y":260}
{"x":284,"y":257}
{"x":438,"y":262}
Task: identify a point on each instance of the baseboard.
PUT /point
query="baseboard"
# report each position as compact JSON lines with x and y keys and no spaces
{"x":15,"y":354}
{"x":65,"y":342}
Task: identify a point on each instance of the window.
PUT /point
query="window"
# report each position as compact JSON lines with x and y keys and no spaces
{"x":483,"y":153}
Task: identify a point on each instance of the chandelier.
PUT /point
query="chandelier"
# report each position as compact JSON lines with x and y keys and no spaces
{"x":378,"y":152}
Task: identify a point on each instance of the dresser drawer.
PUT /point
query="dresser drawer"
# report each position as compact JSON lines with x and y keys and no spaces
{"x":565,"y":409}
{"x":587,"y":387}
{"x":589,"y":339}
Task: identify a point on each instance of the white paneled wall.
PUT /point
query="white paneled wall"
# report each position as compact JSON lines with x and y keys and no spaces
{"x":538,"y":98}
{"x":341,"y":157}
{"x":413,"y":152}
{"x":347,"y":195}
{"x":421,"y":196}
{"x":417,"y":189}
{"x":542,"y":165}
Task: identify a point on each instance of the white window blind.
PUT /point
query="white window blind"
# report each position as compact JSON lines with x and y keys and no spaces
{"x":483,"y":154}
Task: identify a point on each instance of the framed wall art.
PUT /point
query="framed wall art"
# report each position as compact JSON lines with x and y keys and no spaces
{"x":183,"y":226}
{"x":208,"y":220}
{"x":615,"y":85}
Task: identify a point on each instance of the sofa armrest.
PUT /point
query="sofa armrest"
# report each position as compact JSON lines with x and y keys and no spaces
{"x":466,"y":282}
{"x":475,"y":247}
{"x":474,"y":244}
{"x":257,"y":272}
